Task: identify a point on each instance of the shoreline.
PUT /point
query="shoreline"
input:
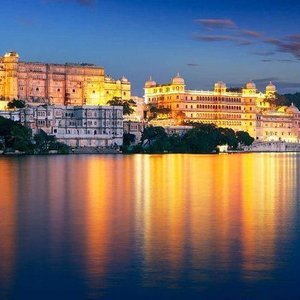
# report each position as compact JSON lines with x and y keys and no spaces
{"x":12,"y":154}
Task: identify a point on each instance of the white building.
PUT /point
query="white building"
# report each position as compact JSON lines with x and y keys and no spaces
{"x":76,"y":126}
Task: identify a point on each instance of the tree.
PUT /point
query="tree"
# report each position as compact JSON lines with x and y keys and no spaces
{"x":244,"y":138}
{"x":234,"y":89}
{"x":15,"y":103}
{"x":128,"y":139}
{"x":127,"y":104}
{"x":15,"y":135}
{"x":152,"y":133}
{"x":1,"y":143}
{"x":22,"y":138}
{"x":228,"y":137}
{"x":162,"y":111}
{"x":45,"y":143}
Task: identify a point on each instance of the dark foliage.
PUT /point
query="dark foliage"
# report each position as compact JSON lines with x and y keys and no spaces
{"x":127,"y":105}
{"x":15,"y":103}
{"x":202,"y":138}
{"x":14,"y":136}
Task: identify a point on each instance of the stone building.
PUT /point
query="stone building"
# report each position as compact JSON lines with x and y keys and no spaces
{"x":63,"y":84}
{"x":246,"y":110}
{"x":76,"y":126}
{"x":279,"y":124}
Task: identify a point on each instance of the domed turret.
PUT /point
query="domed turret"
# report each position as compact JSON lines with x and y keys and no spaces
{"x":220,"y":87}
{"x":11,"y":54}
{"x":108,"y":78}
{"x":251,"y":85}
{"x":124,"y":79}
{"x":220,"y":84}
{"x":178,"y":80}
{"x":150,"y":83}
{"x":271,"y":87}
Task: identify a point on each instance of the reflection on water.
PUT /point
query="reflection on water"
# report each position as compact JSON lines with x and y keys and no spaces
{"x":7,"y":228}
{"x":91,"y":226}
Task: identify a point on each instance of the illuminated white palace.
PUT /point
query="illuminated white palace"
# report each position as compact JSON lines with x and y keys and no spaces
{"x":248,"y":110}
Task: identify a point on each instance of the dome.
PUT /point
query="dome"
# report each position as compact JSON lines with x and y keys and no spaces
{"x":251,"y":85}
{"x":108,"y":78}
{"x":271,"y":87}
{"x":124,"y":79}
{"x":150,"y":83}
{"x":292,"y":109}
{"x":11,"y":54}
{"x":220,"y":85}
{"x":177,"y":79}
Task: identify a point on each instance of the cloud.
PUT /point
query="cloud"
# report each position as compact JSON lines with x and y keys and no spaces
{"x":80,"y":2}
{"x":264,"y":53}
{"x":213,"y":38}
{"x":286,"y":60}
{"x":192,"y":65}
{"x":294,"y":37}
{"x":289,"y":44}
{"x":285,"y":46}
{"x":280,"y":60}
{"x":249,"y":33}
{"x":266,"y":80}
{"x":221,"y":38}
{"x":216,"y":23}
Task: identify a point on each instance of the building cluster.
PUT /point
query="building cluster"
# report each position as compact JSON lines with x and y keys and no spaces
{"x":76,"y":126}
{"x":247,"y":110}
{"x":70,"y":102}
{"x":62,"y":84}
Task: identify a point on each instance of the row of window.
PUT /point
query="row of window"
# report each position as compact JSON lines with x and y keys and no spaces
{"x":214,"y":116}
{"x":168,"y":89}
{"x":198,"y":98}
{"x":222,"y":123}
{"x":84,"y":132}
{"x":278,"y":125}
{"x":202,"y":106}
{"x":275,"y":133}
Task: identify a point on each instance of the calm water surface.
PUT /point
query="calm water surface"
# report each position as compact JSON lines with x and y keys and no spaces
{"x":150,"y":227}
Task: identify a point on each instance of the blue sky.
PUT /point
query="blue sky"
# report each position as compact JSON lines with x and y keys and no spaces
{"x":205,"y":41}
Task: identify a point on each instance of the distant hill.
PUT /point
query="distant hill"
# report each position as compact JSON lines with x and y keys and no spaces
{"x":288,"y":99}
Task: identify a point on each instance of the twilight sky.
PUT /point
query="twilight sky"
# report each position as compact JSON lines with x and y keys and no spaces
{"x":205,"y":41}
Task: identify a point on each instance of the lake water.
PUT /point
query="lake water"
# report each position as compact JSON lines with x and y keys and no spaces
{"x":150,"y":227}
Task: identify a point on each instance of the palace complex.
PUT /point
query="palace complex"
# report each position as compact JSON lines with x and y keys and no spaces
{"x":62,"y":84}
{"x":246,"y":110}
{"x":67,"y":86}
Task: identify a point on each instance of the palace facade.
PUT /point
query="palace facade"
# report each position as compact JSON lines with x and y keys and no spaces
{"x":62,"y":84}
{"x":76,"y":126}
{"x":247,"y":110}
